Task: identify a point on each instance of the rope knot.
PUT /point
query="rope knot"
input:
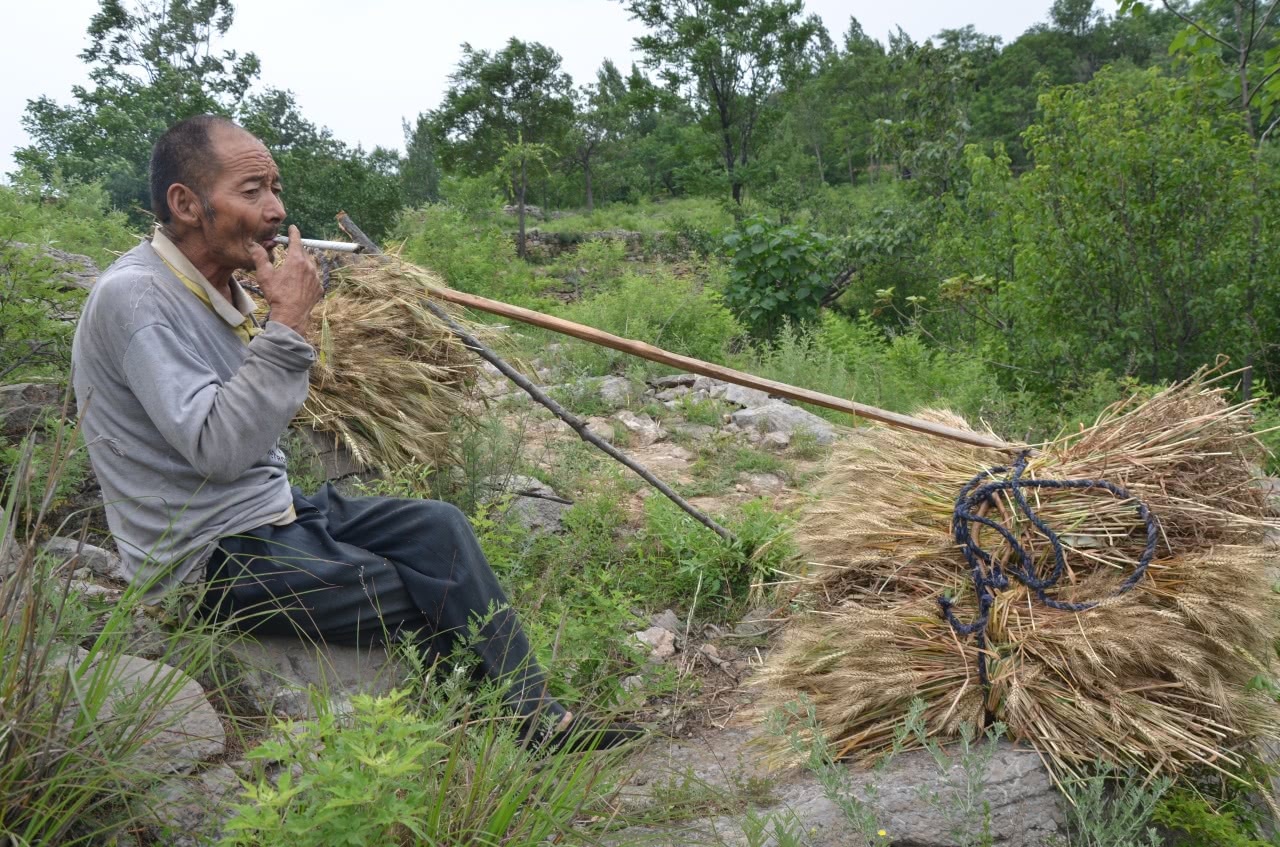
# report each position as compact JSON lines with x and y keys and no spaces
{"x":989,"y":575}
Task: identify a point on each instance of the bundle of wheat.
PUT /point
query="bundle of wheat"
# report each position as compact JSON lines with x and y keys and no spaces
{"x":1146,"y":647}
{"x":390,"y":379}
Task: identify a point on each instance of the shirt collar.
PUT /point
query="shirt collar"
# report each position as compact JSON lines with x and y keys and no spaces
{"x":232,"y":314}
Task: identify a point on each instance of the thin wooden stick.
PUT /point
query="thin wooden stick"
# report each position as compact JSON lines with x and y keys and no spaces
{"x":574,"y":422}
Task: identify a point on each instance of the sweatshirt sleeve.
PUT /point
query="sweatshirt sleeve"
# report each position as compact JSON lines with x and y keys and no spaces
{"x":221,"y":429}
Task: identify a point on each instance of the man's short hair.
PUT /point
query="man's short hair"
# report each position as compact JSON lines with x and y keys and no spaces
{"x":184,"y":154}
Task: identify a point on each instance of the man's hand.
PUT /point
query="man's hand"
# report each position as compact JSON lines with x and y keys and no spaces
{"x":291,"y":290}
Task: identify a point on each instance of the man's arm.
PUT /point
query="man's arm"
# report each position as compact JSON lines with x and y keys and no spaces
{"x":220,"y":429}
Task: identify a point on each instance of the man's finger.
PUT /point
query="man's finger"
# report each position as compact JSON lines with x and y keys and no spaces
{"x":295,"y":240}
{"x":261,"y":260}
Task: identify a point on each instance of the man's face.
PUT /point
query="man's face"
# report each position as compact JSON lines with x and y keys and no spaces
{"x":242,"y":199}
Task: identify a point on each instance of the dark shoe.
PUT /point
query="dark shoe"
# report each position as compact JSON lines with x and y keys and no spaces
{"x":585,"y":734}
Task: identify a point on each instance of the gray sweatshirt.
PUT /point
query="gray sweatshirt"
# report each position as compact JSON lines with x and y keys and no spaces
{"x":181,"y":417}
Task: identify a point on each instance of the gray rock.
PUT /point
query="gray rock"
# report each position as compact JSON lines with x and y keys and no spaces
{"x":644,"y":429}
{"x":75,"y":270}
{"x":182,"y":731}
{"x":667,"y":619}
{"x":706,"y":384}
{"x":25,"y":404}
{"x":694,"y":432}
{"x":672,"y":381}
{"x":1271,"y":490}
{"x":602,"y":428}
{"x":101,"y":562}
{"x":741,"y":396}
{"x":190,"y":811}
{"x":674,"y":393}
{"x":1024,"y":808}
{"x":94,"y":590}
{"x":533,"y":503}
{"x":336,"y":460}
{"x":777,"y":416}
{"x":616,"y":390}
{"x":766,"y":482}
{"x":776,"y":441}
{"x":280,"y":675}
{"x":661,"y":642}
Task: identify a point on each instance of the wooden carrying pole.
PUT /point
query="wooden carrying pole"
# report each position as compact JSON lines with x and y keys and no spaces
{"x":697,"y":366}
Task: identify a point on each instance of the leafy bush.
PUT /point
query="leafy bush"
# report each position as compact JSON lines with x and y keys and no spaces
{"x":76,"y":218}
{"x":695,"y":564}
{"x":686,"y":216}
{"x":35,"y":337}
{"x":388,"y":775}
{"x":595,"y":266}
{"x":1200,"y":824}
{"x":780,"y":275}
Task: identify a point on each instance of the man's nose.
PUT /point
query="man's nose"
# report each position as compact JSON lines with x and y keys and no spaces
{"x":275,"y":209}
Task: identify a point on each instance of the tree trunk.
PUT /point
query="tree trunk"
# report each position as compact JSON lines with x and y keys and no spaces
{"x":586,"y":169}
{"x":848,"y":155}
{"x":520,"y":245}
{"x":822,"y":177}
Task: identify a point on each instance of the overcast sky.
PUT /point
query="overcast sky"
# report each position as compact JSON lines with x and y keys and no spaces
{"x":361,"y":66}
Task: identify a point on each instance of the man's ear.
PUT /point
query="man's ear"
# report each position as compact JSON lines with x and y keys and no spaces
{"x":185,"y":207}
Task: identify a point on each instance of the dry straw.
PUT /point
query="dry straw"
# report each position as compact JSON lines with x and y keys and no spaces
{"x":1158,"y":677}
{"x":390,"y":380}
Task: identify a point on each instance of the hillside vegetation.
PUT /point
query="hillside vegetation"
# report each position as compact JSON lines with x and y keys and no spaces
{"x":1021,"y":233}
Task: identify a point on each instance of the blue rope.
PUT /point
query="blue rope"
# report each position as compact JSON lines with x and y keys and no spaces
{"x":988,"y":575}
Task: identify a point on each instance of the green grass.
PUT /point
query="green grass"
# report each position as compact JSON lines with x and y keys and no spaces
{"x":677,"y":216}
{"x":68,"y":774}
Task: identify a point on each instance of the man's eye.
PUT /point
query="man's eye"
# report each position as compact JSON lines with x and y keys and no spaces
{"x":252,"y":192}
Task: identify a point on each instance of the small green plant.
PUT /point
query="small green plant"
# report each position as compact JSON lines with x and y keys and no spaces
{"x":779,"y":275}
{"x":1200,"y":824}
{"x":1110,"y":808}
{"x":964,"y":771}
{"x":595,"y":266}
{"x":657,"y":308}
{"x":797,"y":723}
{"x":455,"y":773}
{"x":696,"y":565}
{"x":805,"y":445}
{"x":704,"y":412}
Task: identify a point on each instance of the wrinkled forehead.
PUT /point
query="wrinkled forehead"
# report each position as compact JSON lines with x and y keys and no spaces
{"x":239,"y":156}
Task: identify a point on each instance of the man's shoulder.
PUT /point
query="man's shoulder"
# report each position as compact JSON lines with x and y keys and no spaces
{"x":136,"y":268}
{"x":138,"y":282}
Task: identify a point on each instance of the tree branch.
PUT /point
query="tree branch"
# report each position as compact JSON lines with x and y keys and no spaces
{"x":1198,"y":27}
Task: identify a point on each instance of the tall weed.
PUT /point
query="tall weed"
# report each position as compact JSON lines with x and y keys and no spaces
{"x":79,"y":738}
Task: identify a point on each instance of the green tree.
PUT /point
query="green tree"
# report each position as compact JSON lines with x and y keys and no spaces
{"x":518,"y":95}
{"x":322,"y":175}
{"x":601,"y":120}
{"x":1237,"y":44}
{"x":420,"y":170}
{"x":152,"y":63}
{"x":732,"y":55}
{"x":517,"y":158}
{"x":926,"y":140}
{"x":1135,"y":246}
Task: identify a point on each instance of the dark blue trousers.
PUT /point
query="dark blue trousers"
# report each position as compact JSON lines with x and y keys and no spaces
{"x":363,"y":570}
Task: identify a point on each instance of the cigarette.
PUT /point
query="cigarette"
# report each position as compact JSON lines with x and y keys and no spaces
{"x":339,"y":246}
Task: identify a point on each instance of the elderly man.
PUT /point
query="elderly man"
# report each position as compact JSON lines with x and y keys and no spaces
{"x":184,"y":398}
